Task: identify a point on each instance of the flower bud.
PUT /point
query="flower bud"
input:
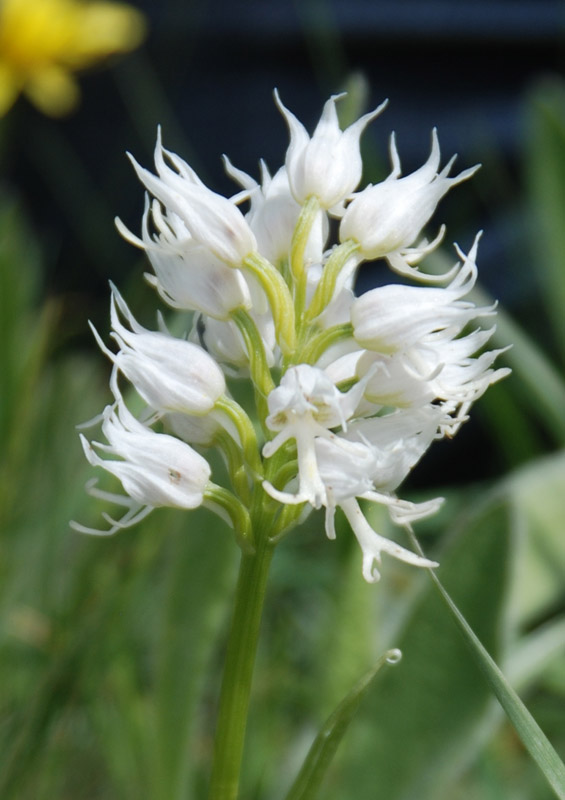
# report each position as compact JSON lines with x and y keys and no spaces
{"x":170,"y":374}
{"x":156,"y":469}
{"x":212,"y":220}
{"x":392,"y":318}
{"x":187,"y":275}
{"x":388,"y":217}
{"x":329,"y":164}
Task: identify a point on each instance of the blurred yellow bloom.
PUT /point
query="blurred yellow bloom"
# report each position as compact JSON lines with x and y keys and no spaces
{"x":42,"y":42}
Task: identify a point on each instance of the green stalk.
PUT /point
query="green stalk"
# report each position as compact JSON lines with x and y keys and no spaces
{"x":244,"y":427}
{"x":326,"y":287}
{"x":260,"y":373}
{"x":301,"y":234}
{"x":317,"y":344}
{"x":278,"y":296}
{"x":298,"y":246}
{"x":240,"y":659}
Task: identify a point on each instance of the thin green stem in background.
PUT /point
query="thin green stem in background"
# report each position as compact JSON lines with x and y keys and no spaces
{"x":323,"y":749}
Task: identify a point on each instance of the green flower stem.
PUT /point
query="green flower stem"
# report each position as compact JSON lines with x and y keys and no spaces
{"x":260,"y":373}
{"x":236,"y":468}
{"x":287,"y":520}
{"x":326,"y":287}
{"x":278,"y":295}
{"x":300,"y":238}
{"x":300,"y":287}
{"x":287,"y":471}
{"x":317,"y":345}
{"x":245,"y":430}
{"x":228,"y":506}
{"x":301,"y":234}
{"x":240,"y":659}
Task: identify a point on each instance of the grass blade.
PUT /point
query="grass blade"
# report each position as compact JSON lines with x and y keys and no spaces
{"x":532,"y":736}
{"x":324,"y":746}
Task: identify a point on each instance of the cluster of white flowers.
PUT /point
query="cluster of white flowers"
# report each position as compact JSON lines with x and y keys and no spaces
{"x":349,"y":391}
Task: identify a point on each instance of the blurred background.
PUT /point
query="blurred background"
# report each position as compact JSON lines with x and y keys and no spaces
{"x":110,"y":649}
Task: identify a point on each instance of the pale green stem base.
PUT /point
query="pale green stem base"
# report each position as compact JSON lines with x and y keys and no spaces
{"x":238,"y":670}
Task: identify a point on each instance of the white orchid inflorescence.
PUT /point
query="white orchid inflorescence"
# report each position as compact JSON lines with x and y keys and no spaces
{"x":349,"y":391}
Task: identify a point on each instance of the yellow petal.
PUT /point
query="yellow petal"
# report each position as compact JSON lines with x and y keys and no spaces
{"x":34,"y":32}
{"x":53,"y":90}
{"x":105,"y":29}
{"x":43,"y":41}
{"x":10,"y":88}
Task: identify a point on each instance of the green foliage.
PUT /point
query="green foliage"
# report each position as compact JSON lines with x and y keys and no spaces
{"x":101,"y":664}
{"x":545,"y":172}
{"x":324,"y":746}
{"x":422,"y":716}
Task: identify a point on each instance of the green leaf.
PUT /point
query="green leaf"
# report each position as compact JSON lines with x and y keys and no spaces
{"x":541,"y":382}
{"x":545,"y":165}
{"x":421,"y":719}
{"x":193,"y":610}
{"x":326,"y":742}
{"x":349,"y":630}
{"x":535,"y":652}
{"x":538,"y":502}
{"x":525,"y":725}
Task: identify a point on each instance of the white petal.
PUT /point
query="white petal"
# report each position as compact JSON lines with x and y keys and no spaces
{"x":211,"y":219}
{"x":155,"y":469}
{"x":373,"y":544}
{"x":388,"y":217}
{"x":329,"y":164}
{"x":170,"y":374}
{"x":392,"y":318}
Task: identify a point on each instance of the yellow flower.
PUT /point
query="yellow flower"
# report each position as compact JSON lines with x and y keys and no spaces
{"x":42,"y":42}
